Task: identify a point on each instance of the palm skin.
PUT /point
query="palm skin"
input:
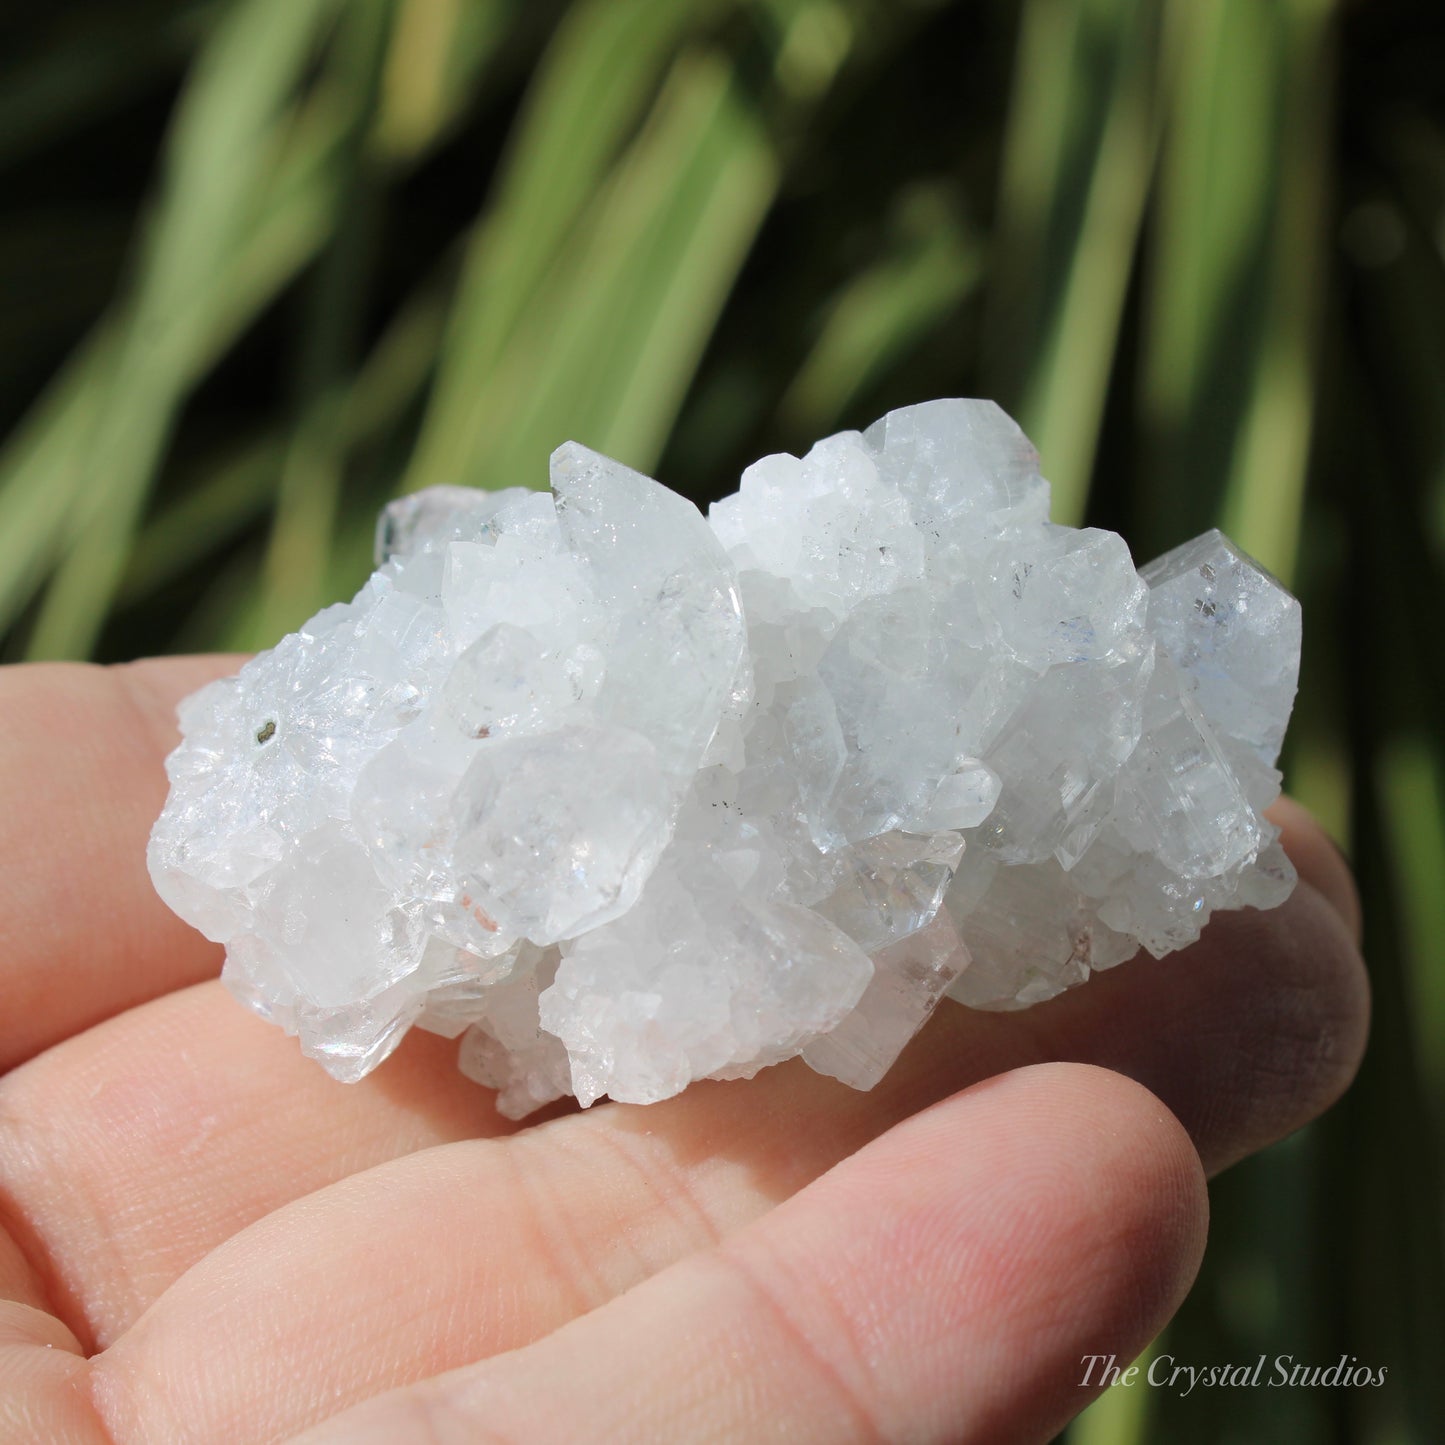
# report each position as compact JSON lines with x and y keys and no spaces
{"x":205,"y":1239}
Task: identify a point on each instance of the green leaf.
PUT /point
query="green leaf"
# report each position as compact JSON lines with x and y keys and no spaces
{"x":885,"y":311}
{"x":223,"y":136}
{"x":1264,"y":494}
{"x":608,"y":351}
{"x":205,"y":515}
{"x":295,"y":572}
{"x":438,"y":51}
{"x":1078,"y":159}
{"x":594,"y":84}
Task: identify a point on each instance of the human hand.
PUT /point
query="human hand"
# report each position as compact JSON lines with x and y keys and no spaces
{"x":206,"y":1239}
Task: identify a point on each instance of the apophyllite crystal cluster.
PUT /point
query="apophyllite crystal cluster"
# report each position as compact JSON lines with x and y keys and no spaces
{"x":626,"y":797}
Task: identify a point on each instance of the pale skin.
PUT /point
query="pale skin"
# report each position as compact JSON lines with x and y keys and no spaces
{"x":204,"y":1239}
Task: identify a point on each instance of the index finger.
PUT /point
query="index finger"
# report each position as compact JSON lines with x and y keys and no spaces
{"x":83,"y":934}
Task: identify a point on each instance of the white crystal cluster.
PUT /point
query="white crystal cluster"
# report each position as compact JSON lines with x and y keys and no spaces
{"x":624,"y":797}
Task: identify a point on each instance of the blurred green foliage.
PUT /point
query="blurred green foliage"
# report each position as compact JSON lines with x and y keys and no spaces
{"x":265,"y":262}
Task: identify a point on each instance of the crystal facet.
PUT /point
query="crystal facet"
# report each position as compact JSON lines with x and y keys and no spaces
{"x":622,"y":797}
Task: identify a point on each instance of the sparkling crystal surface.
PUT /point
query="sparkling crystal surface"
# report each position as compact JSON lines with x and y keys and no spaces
{"x":621,"y":796}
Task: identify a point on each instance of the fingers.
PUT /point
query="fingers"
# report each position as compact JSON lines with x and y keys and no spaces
{"x":1319,"y":860}
{"x":941,"y":1285}
{"x":1247,"y":1035}
{"x":549,"y":1223}
{"x":82,"y":932}
{"x":137,"y":1148}
{"x":409,"y":1269}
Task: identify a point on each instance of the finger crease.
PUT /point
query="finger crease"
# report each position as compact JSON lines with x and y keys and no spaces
{"x":553,"y":1239}
{"x":47,"y":1281}
{"x":866,"y":1427}
{"x":669,"y":1189}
